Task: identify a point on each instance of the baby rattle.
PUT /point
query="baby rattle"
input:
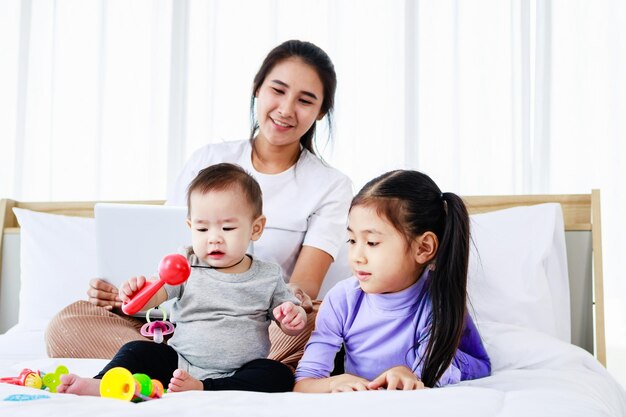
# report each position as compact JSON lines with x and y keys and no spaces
{"x":173,"y":269}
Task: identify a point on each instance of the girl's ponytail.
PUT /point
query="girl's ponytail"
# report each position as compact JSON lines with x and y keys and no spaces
{"x":448,"y":289}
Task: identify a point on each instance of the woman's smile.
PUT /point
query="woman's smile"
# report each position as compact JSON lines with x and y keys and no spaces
{"x":280,"y":123}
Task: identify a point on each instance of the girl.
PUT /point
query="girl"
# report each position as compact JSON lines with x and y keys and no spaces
{"x":402,"y":318}
{"x":306,"y":202}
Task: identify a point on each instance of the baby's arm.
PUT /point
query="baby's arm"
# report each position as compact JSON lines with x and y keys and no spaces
{"x":133,"y":285}
{"x":290,"y":318}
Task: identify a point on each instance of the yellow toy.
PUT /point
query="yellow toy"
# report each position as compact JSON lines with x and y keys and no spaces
{"x":121,"y":384}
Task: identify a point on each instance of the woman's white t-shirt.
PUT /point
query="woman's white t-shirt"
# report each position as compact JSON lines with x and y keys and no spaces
{"x":305,"y":205}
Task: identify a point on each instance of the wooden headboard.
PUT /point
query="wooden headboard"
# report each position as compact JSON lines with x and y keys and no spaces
{"x":581,"y":214}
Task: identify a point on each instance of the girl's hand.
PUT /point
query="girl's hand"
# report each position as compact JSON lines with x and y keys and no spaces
{"x":131,"y":286}
{"x":292,"y":318}
{"x":348,"y":383}
{"x":103,"y":294}
{"x":399,"y":377}
{"x":303,"y":297}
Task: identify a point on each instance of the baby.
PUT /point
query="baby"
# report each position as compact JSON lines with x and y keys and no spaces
{"x":222,"y":312}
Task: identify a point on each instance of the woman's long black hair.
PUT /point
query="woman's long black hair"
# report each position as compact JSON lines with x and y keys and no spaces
{"x":311,"y":55}
{"x":414,"y":204}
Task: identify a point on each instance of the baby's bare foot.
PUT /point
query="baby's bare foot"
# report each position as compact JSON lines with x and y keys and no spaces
{"x":73,"y":384}
{"x":182,"y":381}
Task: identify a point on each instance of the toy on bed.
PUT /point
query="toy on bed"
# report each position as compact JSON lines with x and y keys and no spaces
{"x":38,"y":379}
{"x":26,"y":378}
{"x":173,"y":269}
{"x":119,"y":383}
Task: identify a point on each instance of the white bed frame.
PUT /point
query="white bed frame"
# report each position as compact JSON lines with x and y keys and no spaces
{"x":581,"y":213}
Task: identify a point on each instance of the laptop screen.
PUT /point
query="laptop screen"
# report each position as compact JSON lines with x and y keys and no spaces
{"x":131,"y":239}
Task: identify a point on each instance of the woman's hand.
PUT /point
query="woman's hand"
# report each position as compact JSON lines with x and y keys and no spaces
{"x":305,"y":301}
{"x":399,"y":377}
{"x":103,"y":294}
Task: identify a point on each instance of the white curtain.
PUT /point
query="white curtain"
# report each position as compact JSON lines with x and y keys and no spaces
{"x":105,"y":99}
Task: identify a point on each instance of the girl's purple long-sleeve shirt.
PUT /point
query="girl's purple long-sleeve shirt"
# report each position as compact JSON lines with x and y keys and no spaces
{"x":380,"y":331}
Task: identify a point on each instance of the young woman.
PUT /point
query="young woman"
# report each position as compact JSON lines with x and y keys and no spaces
{"x":306,"y":202}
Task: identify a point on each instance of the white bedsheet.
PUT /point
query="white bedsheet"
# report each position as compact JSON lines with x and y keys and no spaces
{"x":533,"y":375}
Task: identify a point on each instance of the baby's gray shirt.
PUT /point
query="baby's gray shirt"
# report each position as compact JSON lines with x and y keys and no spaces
{"x":222,"y":319}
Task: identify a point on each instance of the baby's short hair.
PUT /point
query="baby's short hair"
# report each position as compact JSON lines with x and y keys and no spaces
{"x":226,"y":176}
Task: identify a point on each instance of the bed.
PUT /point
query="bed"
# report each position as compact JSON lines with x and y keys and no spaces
{"x":535,"y":291}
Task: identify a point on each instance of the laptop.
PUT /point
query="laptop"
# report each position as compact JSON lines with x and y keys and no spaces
{"x":131,"y":239}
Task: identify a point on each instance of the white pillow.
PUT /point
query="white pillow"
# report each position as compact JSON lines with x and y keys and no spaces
{"x":57,"y":259}
{"x":518,"y":269}
{"x":517,"y":272}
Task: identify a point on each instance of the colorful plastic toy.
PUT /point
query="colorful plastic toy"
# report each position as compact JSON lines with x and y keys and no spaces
{"x":173,"y":269}
{"x":26,"y":378}
{"x":157,"y":329}
{"x":38,"y":379}
{"x":121,"y":384}
{"x":53,"y":379}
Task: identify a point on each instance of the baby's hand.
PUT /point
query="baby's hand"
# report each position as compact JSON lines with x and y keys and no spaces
{"x":292,"y":318}
{"x":131,"y":286}
{"x":398,"y":377}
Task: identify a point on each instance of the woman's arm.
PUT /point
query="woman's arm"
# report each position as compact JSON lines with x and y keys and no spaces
{"x":310,"y":269}
{"x":325,"y":235}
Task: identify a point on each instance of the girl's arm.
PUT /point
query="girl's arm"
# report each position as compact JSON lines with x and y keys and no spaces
{"x":308,"y":273}
{"x":396,"y":378}
{"x":317,"y":363}
{"x":470,"y":360}
{"x":337,"y":383}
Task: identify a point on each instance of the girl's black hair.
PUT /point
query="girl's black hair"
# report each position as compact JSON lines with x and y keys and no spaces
{"x":311,"y":55}
{"x":414,"y":204}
